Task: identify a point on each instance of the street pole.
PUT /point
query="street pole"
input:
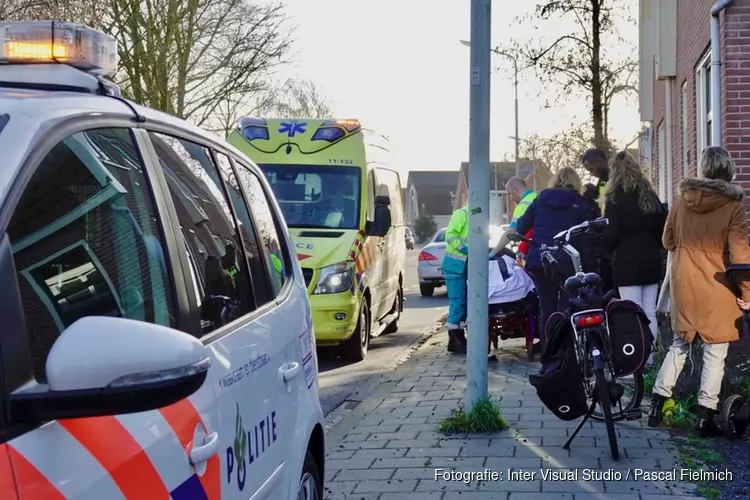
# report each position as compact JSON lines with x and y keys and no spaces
{"x":518,"y":139}
{"x":479,"y":200}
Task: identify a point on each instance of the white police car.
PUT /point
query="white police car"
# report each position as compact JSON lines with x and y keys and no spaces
{"x":156,"y":335}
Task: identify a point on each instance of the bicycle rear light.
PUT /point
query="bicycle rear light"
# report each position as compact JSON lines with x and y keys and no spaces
{"x":586,"y":320}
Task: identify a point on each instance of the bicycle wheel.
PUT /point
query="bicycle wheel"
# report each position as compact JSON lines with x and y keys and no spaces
{"x":631,"y":398}
{"x":602,"y":398}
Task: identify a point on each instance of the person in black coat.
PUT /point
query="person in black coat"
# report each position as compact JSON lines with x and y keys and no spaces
{"x":633,"y":236}
{"x":556,"y":209}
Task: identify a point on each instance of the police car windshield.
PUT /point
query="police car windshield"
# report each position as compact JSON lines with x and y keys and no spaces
{"x":439,"y":236}
{"x":316,"y":196}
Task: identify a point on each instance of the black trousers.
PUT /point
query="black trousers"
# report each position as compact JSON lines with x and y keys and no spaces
{"x":552,"y":298}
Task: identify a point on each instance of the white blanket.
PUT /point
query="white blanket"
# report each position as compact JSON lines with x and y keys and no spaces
{"x":516,"y":287}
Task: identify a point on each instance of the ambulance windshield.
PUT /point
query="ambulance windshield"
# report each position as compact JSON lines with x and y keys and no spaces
{"x":314,"y":196}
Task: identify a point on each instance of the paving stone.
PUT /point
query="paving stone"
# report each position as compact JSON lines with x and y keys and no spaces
{"x":413,"y":496}
{"x":472,"y":463}
{"x":541,"y":496}
{"x":390,"y":436}
{"x":360,"y":496}
{"x":384,"y":486}
{"x":382,"y":453}
{"x":403,"y":421}
{"x":373,"y":429}
{"x":473,"y":451}
{"x":418,"y":428}
{"x":363,"y":474}
{"x":432,"y":452}
{"x":397,"y":463}
{"x":462,"y":442}
{"x":504,"y":463}
{"x":423,"y":411}
{"x":360,"y":463}
{"x":343,"y":488}
{"x":413,"y":443}
{"x":361,"y":445}
{"x":573,"y":486}
{"x":559,"y":441}
{"x":339,"y":454}
{"x":603,"y":496}
{"x":511,"y":486}
{"x":474,"y":495}
{"x":651,"y":453}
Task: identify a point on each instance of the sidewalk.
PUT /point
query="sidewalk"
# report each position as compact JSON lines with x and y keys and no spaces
{"x":389,"y":446}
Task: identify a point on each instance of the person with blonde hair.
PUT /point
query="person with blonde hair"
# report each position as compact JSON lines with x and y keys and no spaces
{"x":706,"y":230}
{"x":633,"y":236}
{"x":556,"y":209}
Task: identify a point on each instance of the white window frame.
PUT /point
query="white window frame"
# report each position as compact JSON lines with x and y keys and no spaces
{"x":685,"y":132}
{"x":662,"y":145}
{"x":703,"y":111}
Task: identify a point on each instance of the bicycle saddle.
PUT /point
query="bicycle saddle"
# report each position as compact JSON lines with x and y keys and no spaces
{"x":573,"y":283}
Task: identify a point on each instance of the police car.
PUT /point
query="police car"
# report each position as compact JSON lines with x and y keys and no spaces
{"x":156,"y":334}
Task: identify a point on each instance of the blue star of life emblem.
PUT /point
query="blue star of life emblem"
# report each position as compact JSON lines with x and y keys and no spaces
{"x":292,"y":128}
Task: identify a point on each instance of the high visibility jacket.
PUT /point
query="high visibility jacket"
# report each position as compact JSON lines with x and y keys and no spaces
{"x":457,"y":235}
{"x":277,"y":266}
{"x":602,"y":185}
{"x":526,"y":200}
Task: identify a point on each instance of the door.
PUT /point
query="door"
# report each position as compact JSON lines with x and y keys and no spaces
{"x":234,"y":297}
{"x":395,"y":251}
{"x":375,"y":252}
{"x":87,"y":239}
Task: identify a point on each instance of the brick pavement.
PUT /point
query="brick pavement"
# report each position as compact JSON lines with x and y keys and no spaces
{"x":389,"y":447}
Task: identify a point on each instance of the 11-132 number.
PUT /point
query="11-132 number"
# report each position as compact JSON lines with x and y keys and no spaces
{"x":338,"y":161}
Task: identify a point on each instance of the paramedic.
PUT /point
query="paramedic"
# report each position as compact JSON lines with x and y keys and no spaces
{"x":455,"y":272}
{"x":522,"y":196}
{"x":706,"y":230}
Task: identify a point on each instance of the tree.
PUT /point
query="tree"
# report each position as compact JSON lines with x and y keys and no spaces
{"x":299,"y":99}
{"x":201,"y":60}
{"x":424,"y":225}
{"x":560,"y":150}
{"x":585,"y":59}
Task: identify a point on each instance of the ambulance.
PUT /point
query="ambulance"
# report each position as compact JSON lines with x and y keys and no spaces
{"x":342,"y":202}
{"x":157,"y":340}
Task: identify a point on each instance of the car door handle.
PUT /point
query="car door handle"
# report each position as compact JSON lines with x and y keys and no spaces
{"x":200,"y":454}
{"x":291,"y":371}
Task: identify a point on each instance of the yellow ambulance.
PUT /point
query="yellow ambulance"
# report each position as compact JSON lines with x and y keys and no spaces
{"x":344,"y":210}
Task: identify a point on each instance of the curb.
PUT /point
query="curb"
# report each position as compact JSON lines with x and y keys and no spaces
{"x":385,"y":388}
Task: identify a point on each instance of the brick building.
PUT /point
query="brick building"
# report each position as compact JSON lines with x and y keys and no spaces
{"x":678,"y":92}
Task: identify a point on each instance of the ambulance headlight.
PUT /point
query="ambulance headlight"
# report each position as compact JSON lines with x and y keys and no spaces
{"x":336,"y":278}
{"x":29,"y":42}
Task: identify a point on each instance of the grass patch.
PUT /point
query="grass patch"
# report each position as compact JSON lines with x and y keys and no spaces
{"x":697,"y":453}
{"x":680,"y":414}
{"x":485,"y":417}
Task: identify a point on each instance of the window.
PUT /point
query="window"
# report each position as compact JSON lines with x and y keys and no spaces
{"x":256,"y":264}
{"x":86,"y":240}
{"x":390,"y":186}
{"x":315,"y":196}
{"x":703,"y":111}
{"x":269,"y":232}
{"x":371,"y":196}
{"x":439,"y":236}
{"x":685,"y":135}
{"x":208,"y":227}
{"x":662,"y":171}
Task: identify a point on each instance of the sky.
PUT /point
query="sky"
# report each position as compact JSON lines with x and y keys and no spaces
{"x":399,"y":67}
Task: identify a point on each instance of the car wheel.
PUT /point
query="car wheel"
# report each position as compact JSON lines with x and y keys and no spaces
{"x":426,"y":290}
{"x":397,"y":306}
{"x":356,"y":347}
{"x":310,"y":485}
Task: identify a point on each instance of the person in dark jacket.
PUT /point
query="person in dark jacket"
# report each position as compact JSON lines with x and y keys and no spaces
{"x":591,"y":194}
{"x":633,"y":236}
{"x":557,"y":209}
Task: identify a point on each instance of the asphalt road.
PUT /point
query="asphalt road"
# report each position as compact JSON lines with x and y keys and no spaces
{"x":341,"y":380}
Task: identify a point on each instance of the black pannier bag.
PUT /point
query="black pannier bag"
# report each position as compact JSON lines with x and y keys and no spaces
{"x":630,"y":337}
{"x":559,"y":383}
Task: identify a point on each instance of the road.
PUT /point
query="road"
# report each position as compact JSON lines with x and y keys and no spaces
{"x":341,"y":381}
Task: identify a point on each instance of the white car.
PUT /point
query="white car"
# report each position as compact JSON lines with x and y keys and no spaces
{"x":430,"y":259}
{"x":157,"y":338}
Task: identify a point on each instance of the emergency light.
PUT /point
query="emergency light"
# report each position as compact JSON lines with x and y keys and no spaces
{"x":35,"y":42}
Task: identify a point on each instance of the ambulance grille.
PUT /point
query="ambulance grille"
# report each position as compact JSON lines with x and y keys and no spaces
{"x":308,"y":274}
{"x":320,"y":234}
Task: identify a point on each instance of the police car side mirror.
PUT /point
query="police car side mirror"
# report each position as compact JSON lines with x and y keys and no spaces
{"x":112,"y":366}
{"x":382,"y":219}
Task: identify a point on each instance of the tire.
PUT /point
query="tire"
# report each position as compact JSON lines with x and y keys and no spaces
{"x":398,"y":307}
{"x":310,"y":483}
{"x":602,"y":397}
{"x":635,"y":400}
{"x":355,"y":349}
{"x":426,"y":290}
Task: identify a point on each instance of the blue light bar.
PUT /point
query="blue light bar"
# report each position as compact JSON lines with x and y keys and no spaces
{"x":250,"y":120}
{"x":253,"y":132}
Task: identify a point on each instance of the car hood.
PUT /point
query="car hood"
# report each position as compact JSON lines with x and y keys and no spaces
{"x":317,"y":248}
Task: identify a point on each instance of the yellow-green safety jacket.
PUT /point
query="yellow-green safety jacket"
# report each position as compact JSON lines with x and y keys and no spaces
{"x":528,"y":197}
{"x":457,"y":235}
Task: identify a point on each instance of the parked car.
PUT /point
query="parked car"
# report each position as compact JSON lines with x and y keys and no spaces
{"x":429,"y":268}
{"x":409,"y":239}
{"x":157,"y":337}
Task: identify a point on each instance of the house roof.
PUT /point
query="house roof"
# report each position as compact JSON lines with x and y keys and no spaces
{"x":504,"y":171}
{"x":434,"y":188}
{"x":433,"y":177}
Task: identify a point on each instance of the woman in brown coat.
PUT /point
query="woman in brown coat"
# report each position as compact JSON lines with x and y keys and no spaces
{"x":706,"y":230}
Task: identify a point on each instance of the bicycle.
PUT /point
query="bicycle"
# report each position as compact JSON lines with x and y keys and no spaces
{"x":591,"y":337}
